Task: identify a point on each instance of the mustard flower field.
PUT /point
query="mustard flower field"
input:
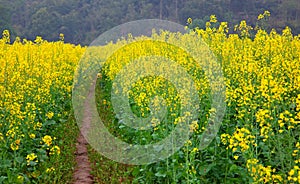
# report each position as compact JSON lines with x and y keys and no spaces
{"x":258,"y":140}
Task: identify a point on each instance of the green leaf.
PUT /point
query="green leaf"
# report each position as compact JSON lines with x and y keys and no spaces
{"x":62,"y":120}
{"x":49,"y":122}
{"x":5,"y":164}
{"x":233,"y":168}
{"x":136,"y":171}
{"x":19,"y":159}
{"x":2,"y":179}
{"x":160,"y":174}
{"x":204,"y":169}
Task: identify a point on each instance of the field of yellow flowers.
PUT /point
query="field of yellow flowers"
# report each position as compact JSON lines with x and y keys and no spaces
{"x":258,"y":141}
{"x":35,"y":90}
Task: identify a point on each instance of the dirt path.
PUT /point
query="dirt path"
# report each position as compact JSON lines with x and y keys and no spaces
{"x":82,"y":174}
{"x":83,"y":169}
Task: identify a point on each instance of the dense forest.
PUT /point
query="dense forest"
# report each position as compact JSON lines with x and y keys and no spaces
{"x":83,"y":20}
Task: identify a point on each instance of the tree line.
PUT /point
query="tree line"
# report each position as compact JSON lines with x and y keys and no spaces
{"x":81,"y":21}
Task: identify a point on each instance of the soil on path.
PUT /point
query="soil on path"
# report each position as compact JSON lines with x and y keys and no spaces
{"x":82,"y":174}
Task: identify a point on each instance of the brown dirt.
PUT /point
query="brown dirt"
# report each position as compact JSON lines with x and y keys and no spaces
{"x":83,"y":170}
{"x":82,"y":174}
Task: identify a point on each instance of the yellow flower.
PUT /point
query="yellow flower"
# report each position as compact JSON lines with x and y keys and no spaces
{"x":298,"y":145}
{"x":6,"y":36}
{"x":207,"y":24}
{"x":20,"y":179}
{"x":295,"y":153}
{"x":213,"y":19}
{"x":188,"y":143}
{"x":38,"y":40}
{"x":260,"y":16}
{"x":47,"y":140}
{"x":194,"y":126}
{"x":50,"y":115}
{"x":51,"y":169}
{"x":277,"y":177}
{"x":18,"y":141}
{"x":55,"y":150}
{"x":292,"y":172}
{"x":267,"y":13}
{"x":31,"y":157}
{"x":15,"y":145}
{"x":61,"y":37}
{"x":195,"y":150}
{"x":32,"y":136}
{"x":189,"y":20}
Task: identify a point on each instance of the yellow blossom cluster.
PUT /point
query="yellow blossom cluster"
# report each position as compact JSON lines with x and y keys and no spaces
{"x":261,"y":173}
{"x":31,"y":157}
{"x":263,"y":117}
{"x":294,"y":174}
{"x":240,"y":140}
{"x":296,"y":153}
{"x":47,"y":140}
{"x":265,"y":14}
